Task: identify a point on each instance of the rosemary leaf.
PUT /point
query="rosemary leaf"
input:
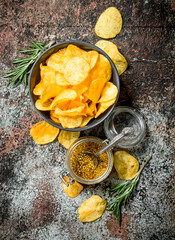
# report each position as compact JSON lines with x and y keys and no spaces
{"x":122,"y":192}
{"x":20,"y":74}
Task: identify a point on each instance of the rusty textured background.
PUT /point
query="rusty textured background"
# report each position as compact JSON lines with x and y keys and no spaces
{"x":33,"y":204}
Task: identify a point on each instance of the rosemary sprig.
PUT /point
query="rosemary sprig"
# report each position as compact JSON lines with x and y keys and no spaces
{"x":123,"y":191}
{"x":20,"y":73}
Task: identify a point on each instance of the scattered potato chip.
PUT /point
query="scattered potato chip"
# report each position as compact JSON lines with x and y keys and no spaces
{"x":126,"y":165}
{"x":72,"y":190}
{"x":67,"y":138}
{"x":109,"y":92}
{"x":43,"y":133}
{"x":70,"y":122}
{"x":76,"y":70}
{"x":103,"y":106}
{"x":113,"y":52}
{"x":109,"y":24}
{"x":92,"y":209}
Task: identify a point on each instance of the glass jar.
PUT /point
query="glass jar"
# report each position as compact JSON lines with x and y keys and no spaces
{"x":72,"y":174}
{"x":123,"y":117}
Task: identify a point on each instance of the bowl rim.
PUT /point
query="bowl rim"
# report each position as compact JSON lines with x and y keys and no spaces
{"x":113,"y":68}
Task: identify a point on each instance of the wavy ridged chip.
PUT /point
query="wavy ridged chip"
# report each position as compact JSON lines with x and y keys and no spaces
{"x":109,"y":23}
{"x":126,"y":165}
{"x":43,"y":133}
{"x":92,"y":209}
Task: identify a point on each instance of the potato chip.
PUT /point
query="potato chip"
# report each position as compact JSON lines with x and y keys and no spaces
{"x":43,"y":133}
{"x":102,"y":69}
{"x":65,"y":95}
{"x":78,"y":52}
{"x":48,"y":75}
{"x":60,"y":80}
{"x":103,"y":106}
{"x":55,"y":119}
{"x":55,"y":61}
{"x":95,"y":89}
{"x":113,"y":52}
{"x":67,"y":138}
{"x":126,"y":165}
{"x":46,"y":106}
{"x":92,"y":209}
{"x":109,"y":92}
{"x":72,"y":190}
{"x":51,"y":91}
{"x":39,"y":89}
{"x":109,"y":24}
{"x":76,"y":70}
{"x":93,"y":107}
{"x":70,"y":122}
{"x":85,"y":121}
{"x":93,"y":58}
{"x":70,"y":112}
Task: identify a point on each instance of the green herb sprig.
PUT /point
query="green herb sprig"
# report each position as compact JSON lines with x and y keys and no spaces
{"x":20,"y":73}
{"x":123,"y":192}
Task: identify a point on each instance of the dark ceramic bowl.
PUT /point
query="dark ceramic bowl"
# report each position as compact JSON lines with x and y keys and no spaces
{"x":34,"y":79}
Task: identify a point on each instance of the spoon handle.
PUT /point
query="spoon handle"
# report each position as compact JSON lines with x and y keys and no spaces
{"x":124,"y":132}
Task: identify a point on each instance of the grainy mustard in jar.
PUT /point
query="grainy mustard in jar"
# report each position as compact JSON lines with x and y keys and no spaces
{"x":82,"y":163}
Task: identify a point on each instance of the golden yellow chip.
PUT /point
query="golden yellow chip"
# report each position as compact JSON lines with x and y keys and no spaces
{"x":55,"y":61}
{"x":109,"y":92}
{"x":95,"y":89}
{"x":126,"y":165}
{"x":55,"y":119}
{"x":43,"y":133}
{"x":75,"y":51}
{"x":65,"y":95}
{"x":70,"y":112}
{"x":70,"y":122}
{"x":51,"y":91}
{"x":72,"y":190}
{"x":67,"y":138}
{"x":46,"y":106}
{"x":93,"y":107}
{"x":92,"y":209}
{"x":76,"y":70}
{"x":102,"y":69}
{"x":93,"y":58}
{"x":109,"y":23}
{"x":85,"y":121}
{"x":113,"y":52}
{"x":48,"y":75}
{"x":39,"y":89}
{"x":60,"y":80}
{"x":102,"y":107}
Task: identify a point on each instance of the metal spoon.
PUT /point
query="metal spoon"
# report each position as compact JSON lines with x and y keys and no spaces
{"x":124,"y":132}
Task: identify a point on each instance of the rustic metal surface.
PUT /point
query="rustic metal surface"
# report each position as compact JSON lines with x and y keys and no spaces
{"x":33,"y":204}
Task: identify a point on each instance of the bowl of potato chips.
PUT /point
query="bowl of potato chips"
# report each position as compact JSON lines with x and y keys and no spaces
{"x":74,"y":86}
